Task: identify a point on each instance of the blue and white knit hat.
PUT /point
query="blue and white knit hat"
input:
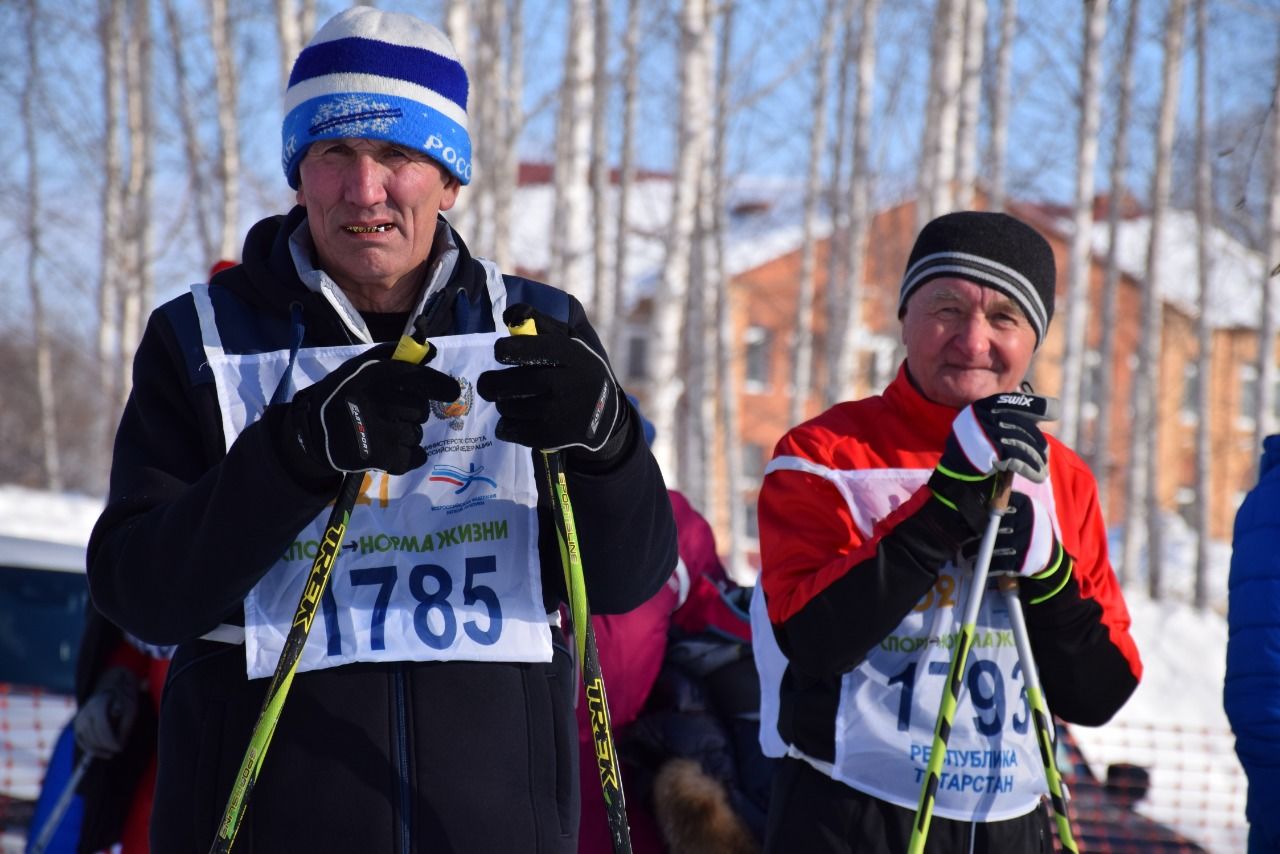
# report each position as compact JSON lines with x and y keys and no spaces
{"x":370,"y":74}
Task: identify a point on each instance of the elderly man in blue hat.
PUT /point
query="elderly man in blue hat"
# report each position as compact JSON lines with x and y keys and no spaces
{"x":432,"y":710}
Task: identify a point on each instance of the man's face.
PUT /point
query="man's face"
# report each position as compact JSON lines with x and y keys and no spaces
{"x":371,"y":207}
{"x":965,"y":342}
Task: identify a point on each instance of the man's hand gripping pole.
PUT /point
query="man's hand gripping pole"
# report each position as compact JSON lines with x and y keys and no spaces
{"x":585,"y":637}
{"x":411,"y":348}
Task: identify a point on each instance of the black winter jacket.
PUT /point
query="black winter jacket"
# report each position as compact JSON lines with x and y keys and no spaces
{"x":409,"y":757}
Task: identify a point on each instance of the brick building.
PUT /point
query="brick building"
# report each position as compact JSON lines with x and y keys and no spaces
{"x":763,"y":266}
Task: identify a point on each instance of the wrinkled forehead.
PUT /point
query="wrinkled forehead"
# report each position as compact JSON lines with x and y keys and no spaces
{"x":963,"y":294}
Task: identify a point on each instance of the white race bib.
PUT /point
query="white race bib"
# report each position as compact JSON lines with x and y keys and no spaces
{"x":437,"y":564}
{"x":889,"y":703}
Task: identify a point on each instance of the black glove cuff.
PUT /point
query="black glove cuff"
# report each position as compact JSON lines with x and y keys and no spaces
{"x":970,"y":501}
{"x":1037,"y":589}
{"x":617,"y":446}
{"x":938,"y":525}
{"x":288,"y":425}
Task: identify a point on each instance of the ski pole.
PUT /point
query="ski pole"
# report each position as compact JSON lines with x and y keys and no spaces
{"x":414,"y":349}
{"x":60,"y":806}
{"x":1039,"y":711}
{"x":959,"y":657}
{"x":585,"y":637}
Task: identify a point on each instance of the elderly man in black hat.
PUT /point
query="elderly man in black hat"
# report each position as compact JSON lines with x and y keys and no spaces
{"x":869,"y":517}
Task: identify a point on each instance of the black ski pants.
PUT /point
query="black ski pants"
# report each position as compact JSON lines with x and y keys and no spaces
{"x":811,"y":813}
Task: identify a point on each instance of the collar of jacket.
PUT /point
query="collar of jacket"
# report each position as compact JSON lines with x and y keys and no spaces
{"x":440,"y":267}
{"x":930,"y":421}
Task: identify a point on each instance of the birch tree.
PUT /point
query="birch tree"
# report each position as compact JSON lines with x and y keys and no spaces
{"x":606,"y":313}
{"x":1204,"y":332}
{"x":665,"y":387}
{"x":1101,"y":459}
{"x":938,"y":144}
{"x":925,"y":170}
{"x":458,"y":28}
{"x":31,"y":97}
{"x":802,"y":337}
{"x":838,"y":203}
{"x":697,"y":448}
{"x":727,"y":356}
{"x":295,"y":24}
{"x":1081,"y":252}
{"x":849,"y":345}
{"x":626,"y":161}
{"x":973,"y":44}
{"x":706,"y":282}
{"x":570,"y":231}
{"x":192,"y":147}
{"x":999,"y":139}
{"x":136,"y":283}
{"x":110,"y":25}
{"x":288,"y":37}
{"x":512,"y":112}
{"x":1144,"y":495}
{"x":1264,"y":423}
{"x":484,"y":121}
{"x":222,"y":35}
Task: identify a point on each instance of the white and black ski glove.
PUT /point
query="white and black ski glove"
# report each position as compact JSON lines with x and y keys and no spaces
{"x":366,"y":415}
{"x":1027,"y":546}
{"x":103,"y":723}
{"x":994,"y":434}
{"x":559,"y":396}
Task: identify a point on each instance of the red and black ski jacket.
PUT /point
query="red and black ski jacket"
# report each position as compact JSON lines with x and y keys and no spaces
{"x":833,"y":593}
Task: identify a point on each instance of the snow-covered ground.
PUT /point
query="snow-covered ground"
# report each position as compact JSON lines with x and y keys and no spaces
{"x":1175,"y":724}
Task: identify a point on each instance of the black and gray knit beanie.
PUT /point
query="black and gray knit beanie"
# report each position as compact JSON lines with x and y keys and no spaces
{"x":990,"y":249}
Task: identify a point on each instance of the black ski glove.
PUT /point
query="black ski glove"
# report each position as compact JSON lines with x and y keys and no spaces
{"x":560,"y":395}
{"x":1028,"y":547}
{"x":995,"y":434}
{"x":365,"y":415}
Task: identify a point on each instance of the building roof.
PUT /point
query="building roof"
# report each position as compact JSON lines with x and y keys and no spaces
{"x":1235,"y":277}
{"x":765,"y":222}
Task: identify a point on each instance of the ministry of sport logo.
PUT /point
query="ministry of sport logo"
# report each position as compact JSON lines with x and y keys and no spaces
{"x":455,"y":412}
{"x":459,"y":477}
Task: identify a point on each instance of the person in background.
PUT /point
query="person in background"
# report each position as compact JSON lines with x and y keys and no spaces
{"x":114,"y":673}
{"x":1251,"y":690}
{"x":869,"y":518}
{"x":119,"y":681}
{"x":679,"y":676}
{"x":432,"y":707}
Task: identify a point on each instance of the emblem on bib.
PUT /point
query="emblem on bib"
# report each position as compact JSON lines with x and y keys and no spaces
{"x":459,"y":477}
{"x":455,"y":412}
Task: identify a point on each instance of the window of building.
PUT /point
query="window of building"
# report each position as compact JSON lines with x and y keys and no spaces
{"x":637,"y":353}
{"x":1186,"y":500}
{"x":1248,"y":394}
{"x":752,"y":463}
{"x":758,"y":345}
{"x":751,"y":517}
{"x":1187,"y":409}
{"x":1090,"y":385}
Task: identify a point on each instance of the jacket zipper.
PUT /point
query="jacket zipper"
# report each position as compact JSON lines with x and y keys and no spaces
{"x":400,"y":749}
